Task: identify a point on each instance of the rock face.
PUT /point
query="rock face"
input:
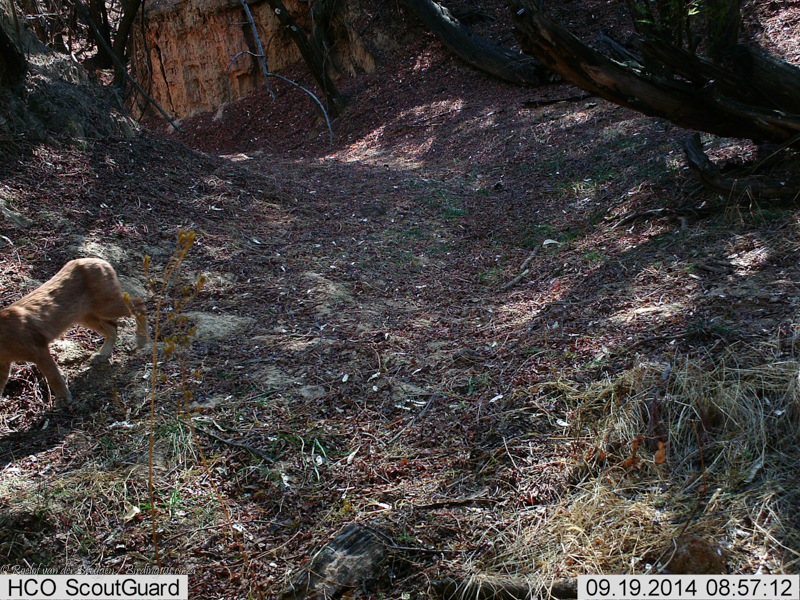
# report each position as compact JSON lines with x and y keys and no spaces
{"x":189,"y":45}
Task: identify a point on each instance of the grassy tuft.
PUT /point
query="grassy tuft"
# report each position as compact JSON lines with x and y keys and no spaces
{"x":730,"y":475}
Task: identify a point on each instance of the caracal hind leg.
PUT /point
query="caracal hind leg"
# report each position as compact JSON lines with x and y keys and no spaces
{"x":5,"y":369}
{"x":108,"y":329}
{"x":53,"y":374}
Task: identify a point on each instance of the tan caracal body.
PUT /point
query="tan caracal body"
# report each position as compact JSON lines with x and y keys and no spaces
{"x":84,"y":291}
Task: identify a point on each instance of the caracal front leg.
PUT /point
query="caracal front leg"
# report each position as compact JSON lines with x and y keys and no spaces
{"x":142,"y":335}
{"x":139,"y":311}
{"x":5,"y":369}
{"x":54,"y":377}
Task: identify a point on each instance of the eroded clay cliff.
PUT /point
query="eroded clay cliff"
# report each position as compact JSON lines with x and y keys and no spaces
{"x":185,"y":57}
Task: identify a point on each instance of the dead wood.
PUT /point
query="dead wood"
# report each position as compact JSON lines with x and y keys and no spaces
{"x":538,"y":103}
{"x":499,"y":588}
{"x":255,"y":452}
{"x":695,"y":69}
{"x":524,"y":270}
{"x":604,"y":43}
{"x":709,"y":175}
{"x":776,"y":81}
{"x":700,"y":102}
{"x":516,"y":280}
{"x":484,"y":55}
{"x":348,"y":561}
{"x":746,"y":75}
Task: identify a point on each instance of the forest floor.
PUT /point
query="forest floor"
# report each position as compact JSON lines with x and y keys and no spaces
{"x":391,"y":319}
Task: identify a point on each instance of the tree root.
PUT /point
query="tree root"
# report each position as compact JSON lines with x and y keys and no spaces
{"x":712,"y":179}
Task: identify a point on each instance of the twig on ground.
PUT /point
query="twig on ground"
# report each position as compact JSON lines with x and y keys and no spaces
{"x":412,"y":421}
{"x":538,"y":103}
{"x":516,"y":280}
{"x":644,"y":214}
{"x":715,"y":270}
{"x":250,"y":449}
{"x":657,"y":338}
{"x":523,"y":270}
{"x":456,"y":502}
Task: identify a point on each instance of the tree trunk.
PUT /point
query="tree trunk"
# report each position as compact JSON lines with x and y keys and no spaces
{"x":102,"y":34}
{"x":131,"y":7}
{"x":322,"y":12}
{"x":722,"y":18}
{"x":481,"y":53}
{"x":12,"y":61}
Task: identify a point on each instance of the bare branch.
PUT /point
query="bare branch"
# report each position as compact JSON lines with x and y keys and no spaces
{"x":319,"y":104}
{"x":261,"y":56}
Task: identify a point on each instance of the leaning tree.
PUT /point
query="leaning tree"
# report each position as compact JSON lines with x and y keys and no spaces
{"x":736,"y":92}
{"x":729,"y":90}
{"x":682,"y":64}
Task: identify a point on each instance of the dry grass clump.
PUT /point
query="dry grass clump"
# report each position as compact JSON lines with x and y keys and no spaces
{"x":728,"y":472}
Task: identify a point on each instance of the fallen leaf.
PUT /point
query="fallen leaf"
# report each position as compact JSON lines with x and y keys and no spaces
{"x":632,"y":461}
{"x":661,"y":454}
{"x":132,"y":512}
